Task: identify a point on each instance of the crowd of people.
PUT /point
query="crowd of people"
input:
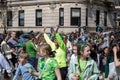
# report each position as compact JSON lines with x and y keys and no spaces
{"x":60,"y":56}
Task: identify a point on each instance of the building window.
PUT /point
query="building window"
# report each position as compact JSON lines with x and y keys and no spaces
{"x":105,"y":18}
{"x":61,"y":16}
{"x":21,"y":18}
{"x":39,"y":17}
{"x":115,"y":16}
{"x":97,"y":17}
{"x":86,"y":17}
{"x":9,"y":18}
{"x":75,"y":16}
{"x":0,"y":15}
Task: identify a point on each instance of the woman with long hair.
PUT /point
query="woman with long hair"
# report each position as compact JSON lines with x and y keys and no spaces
{"x":85,"y":68}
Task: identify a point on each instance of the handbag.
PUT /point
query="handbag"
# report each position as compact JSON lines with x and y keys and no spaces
{"x":112,"y":70}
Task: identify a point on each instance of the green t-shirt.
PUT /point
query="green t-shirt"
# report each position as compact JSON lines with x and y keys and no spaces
{"x":82,"y":67}
{"x":31,"y":49}
{"x":49,"y":68}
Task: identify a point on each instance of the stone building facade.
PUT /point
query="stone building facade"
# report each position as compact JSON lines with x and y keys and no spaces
{"x":71,"y":15}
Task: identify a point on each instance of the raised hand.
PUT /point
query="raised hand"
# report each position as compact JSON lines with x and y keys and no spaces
{"x":56,"y":28}
{"x":115,"y":49}
{"x":44,"y":28}
{"x":30,"y":70}
{"x":75,"y":78}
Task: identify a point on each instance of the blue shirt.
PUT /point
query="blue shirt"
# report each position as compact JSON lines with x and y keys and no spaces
{"x":4,"y":64}
{"x":24,"y":71}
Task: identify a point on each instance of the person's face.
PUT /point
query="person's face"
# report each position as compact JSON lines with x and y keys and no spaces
{"x":41,"y":53}
{"x":86,"y":52}
{"x":75,"y":49}
{"x":20,"y":48}
{"x":112,"y":37}
{"x":13,"y":34}
{"x":22,"y":60}
{"x":106,"y":51}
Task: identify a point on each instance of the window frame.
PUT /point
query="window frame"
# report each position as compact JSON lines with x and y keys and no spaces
{"x":38,"y":19}
{"x":9,"y":18}
{"x":97,"y":17}
{"x":61,"y":19}
{"x":21,"y":19}
{"x":0,"y":15}
{"x":105,"y":18}
{"x":86,"y":20}
{"x":77,"y":19}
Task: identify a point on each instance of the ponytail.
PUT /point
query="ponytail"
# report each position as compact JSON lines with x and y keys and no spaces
{"x":47,"y":49}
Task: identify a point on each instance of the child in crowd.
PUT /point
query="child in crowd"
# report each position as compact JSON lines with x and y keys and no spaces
{"x":47,"y":65}
{"x":85,"y":68}
{"x":20,"y":48}
{"x":23,"y":68}
{"x":59,"y":46}
{"x":75,"y":50}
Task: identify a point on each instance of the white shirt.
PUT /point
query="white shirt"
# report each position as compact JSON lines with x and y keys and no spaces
{"x":74,"y":57}
{"x":6,"y":50}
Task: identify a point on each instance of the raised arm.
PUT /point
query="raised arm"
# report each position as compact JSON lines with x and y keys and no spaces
{"x":59,"y":39}
{"x":47,"y":39}
{"x":17,"y":73}
{"x":117,"y":62}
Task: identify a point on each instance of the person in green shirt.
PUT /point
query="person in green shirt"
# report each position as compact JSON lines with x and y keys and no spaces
{"x":85,"y":68}
{"x":59,"y":47}
{"x":47,"y":66}
{"x":31,"y":50}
